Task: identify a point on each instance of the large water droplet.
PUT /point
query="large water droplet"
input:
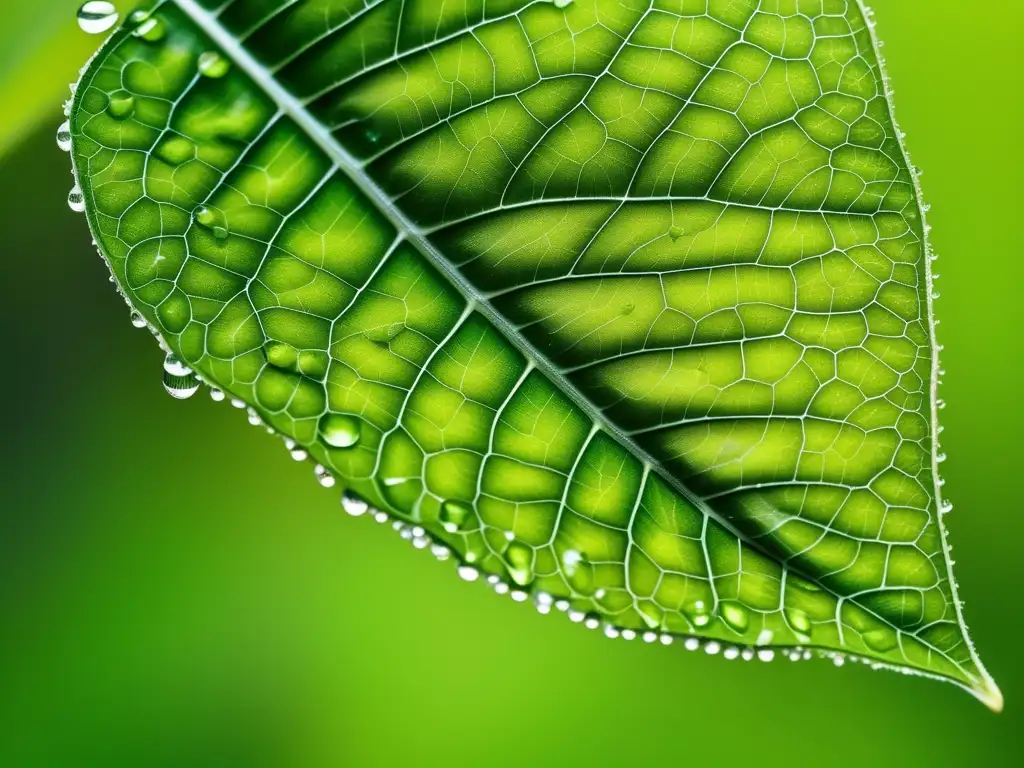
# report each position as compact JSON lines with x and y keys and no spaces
{"x":180,"y":387}
{"x":212,"y":64}
{"x":121,"y":104}
{"x":138,"y":321}
{"x":454,"y":515}
{"x":175,"y":367}
{"x":339,"y":430}
{"x":519,"y":557}
{"x":76,"y":200}
{"x":736,"y":616}
{"x":96,"y":17}
{"x":64,"y":137}
{"x":468,"y":573}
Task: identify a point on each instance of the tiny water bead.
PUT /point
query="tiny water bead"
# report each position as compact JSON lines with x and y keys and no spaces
{"x":137,"y":320}
{"x":96,"y":17}
{"x":798,"y":620}
{"x":180,"y":387}
{"x":354,"y":505}
{"x":175,"y":367}
{"x":121,"y":104}
{"x":323,"y":476}
{"x":339,"y":430}
{"x":76,"y":200}
{"x":454,"y":515}
{"x":64,"y":137}
{"x":212,"y":64}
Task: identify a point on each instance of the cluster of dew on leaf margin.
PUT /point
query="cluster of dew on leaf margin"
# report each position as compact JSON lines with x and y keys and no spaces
{"x":181,"y":382}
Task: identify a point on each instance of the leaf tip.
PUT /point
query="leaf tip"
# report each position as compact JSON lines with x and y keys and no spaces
{"x":987,"y":692}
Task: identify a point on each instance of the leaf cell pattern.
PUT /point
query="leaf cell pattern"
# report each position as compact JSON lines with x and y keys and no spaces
{"x":627,"y":302}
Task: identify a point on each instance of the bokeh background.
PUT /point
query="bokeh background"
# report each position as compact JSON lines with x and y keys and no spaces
{"x":174,"y":591}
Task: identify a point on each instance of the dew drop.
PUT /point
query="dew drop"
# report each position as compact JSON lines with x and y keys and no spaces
{"x":697,"y":613}
{"x":735,"y":616}
{"x":217,"y":395}
{"x":571,"y":558}
{"x":712,"y":648}
{"x":180,"y":387}
{"x":323,"y":476}
{"x":468,"y":573}
{"x":765,"y":654}
{"x":121,"y":104}
{"x":150,"y":28}
{"x":64,"y":137}
{"x":175,"y":150}
{"x":591,"y":621}
{"x":454,"y":515}
{"x":384,"y":334}
{"x":212,"y":64}
{"x":339,"y":430}
{"x":732,"y":652}
{"x":798,"y":620}
{"x":520,"y":561}
{"x":76,"y":200}
{"x":880,"y":640}
{"x":175,"y":367}
{"x":96,"y":17}
{"x":764,"y":637}
{"x":137,"y":320}
{"x":354,"y":505}
{"x":691,"y":644}
{"x":254,"y":418}
{"x":562,"y":3}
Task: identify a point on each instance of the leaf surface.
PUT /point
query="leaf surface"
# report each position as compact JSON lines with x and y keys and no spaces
{"x":625,"y":303}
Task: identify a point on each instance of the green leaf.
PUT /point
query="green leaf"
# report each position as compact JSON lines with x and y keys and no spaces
{"x":626,"y":304}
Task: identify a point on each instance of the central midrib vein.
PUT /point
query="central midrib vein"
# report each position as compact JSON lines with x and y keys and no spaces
{"x":289,"y":105}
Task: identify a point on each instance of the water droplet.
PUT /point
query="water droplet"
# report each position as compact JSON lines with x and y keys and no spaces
{"x":212,"y":219}
{"x":212,"y":64}
{"x":96,"y":17}
{"x":440,"y":551}
{"x":691,"y":644}
{"x":880,"y":640}
{"x":697,"y":613}
{"x":468,"y":573}
{"x":628,"y":634}
{"x":799,"y":621}
{"x":383,"y":334}
{"x":838,"y":660}
{"x":766,"y":654}
{"x":64,"y":137}
{"x":175,"y":150}
{"x":120,"y":105}
{"x":764,"y":637}
{"x":339,"y":430}
{"x":747,"y":654}
{"x":454,"y":515}
{"x":571,"y":558}
{"x":180,"y":387}
{"x":174,"y":366}
{"x":323,"y":476}
{"x":562,"y":3}
{"x":150,"y":28}
{"x":736,"y":616}
{"x":217,"y":395}
{"x":354,"y":505}
{"x":591,"y":621}
{"x":712,"y":647}
{"x":137,"y":320}
{"x":732,"y":652}
{"x":76,"y":200}
{"x":519,"y":557}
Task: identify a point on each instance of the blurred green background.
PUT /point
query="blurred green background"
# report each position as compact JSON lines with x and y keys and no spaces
{"x":174,"y":591}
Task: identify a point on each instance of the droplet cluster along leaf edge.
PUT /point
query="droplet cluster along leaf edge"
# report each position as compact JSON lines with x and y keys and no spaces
{"x":238,"y":56}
